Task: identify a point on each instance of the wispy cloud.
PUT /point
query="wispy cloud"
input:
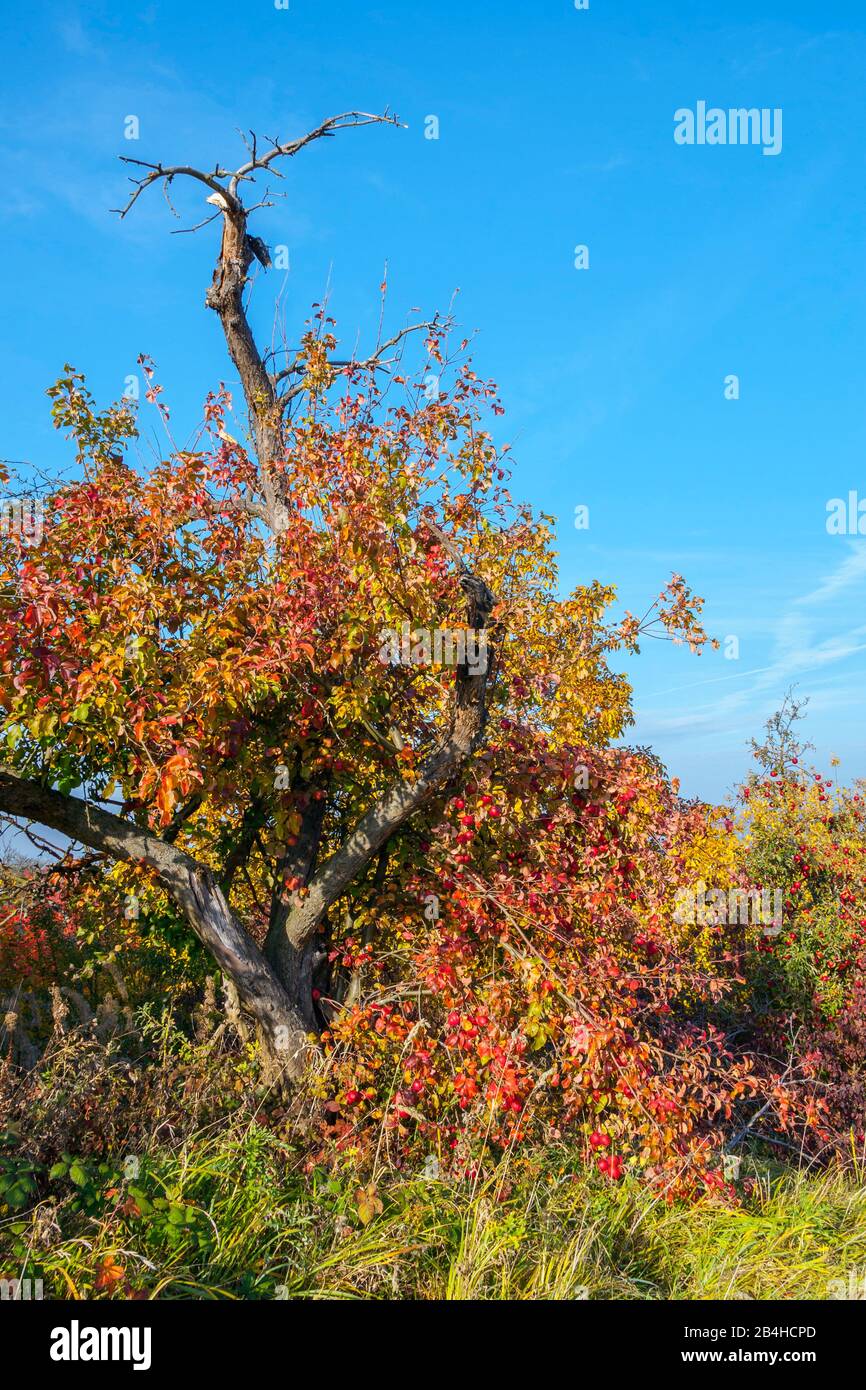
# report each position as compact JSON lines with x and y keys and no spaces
{"x":852,"y":569}
{"x":800,"y":647}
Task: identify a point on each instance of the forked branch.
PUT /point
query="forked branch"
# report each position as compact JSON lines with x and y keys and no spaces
{"x":225,"y":296}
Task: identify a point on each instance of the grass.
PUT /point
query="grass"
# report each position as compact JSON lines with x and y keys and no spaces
{"x":179,"y":1183}
{"x":227,"y":1213}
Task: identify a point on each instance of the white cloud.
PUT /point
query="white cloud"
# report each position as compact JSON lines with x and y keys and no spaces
{"x":852,"y":568}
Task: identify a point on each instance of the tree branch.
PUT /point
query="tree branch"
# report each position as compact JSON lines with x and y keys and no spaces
{"x":192,"y":887}
{"x":159,"y":171}
{"x":278,"y":150}
{"x":375,"y":359}
{"x":465,"y":729}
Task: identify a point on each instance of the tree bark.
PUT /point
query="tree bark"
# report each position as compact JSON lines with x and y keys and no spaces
{"x":295,"y":965}
{"x":225,"y":297}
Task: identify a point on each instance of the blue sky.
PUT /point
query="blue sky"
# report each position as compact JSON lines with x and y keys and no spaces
{"x":555,"y":129}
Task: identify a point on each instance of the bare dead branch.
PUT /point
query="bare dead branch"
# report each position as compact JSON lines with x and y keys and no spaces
{"x":158,"y":171}
{"x":226,"y":292}
{"x":179,"y":231}
{"x":348,"y":120}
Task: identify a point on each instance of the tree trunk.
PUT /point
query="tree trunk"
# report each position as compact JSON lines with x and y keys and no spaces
{"x":282,"y":1028}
